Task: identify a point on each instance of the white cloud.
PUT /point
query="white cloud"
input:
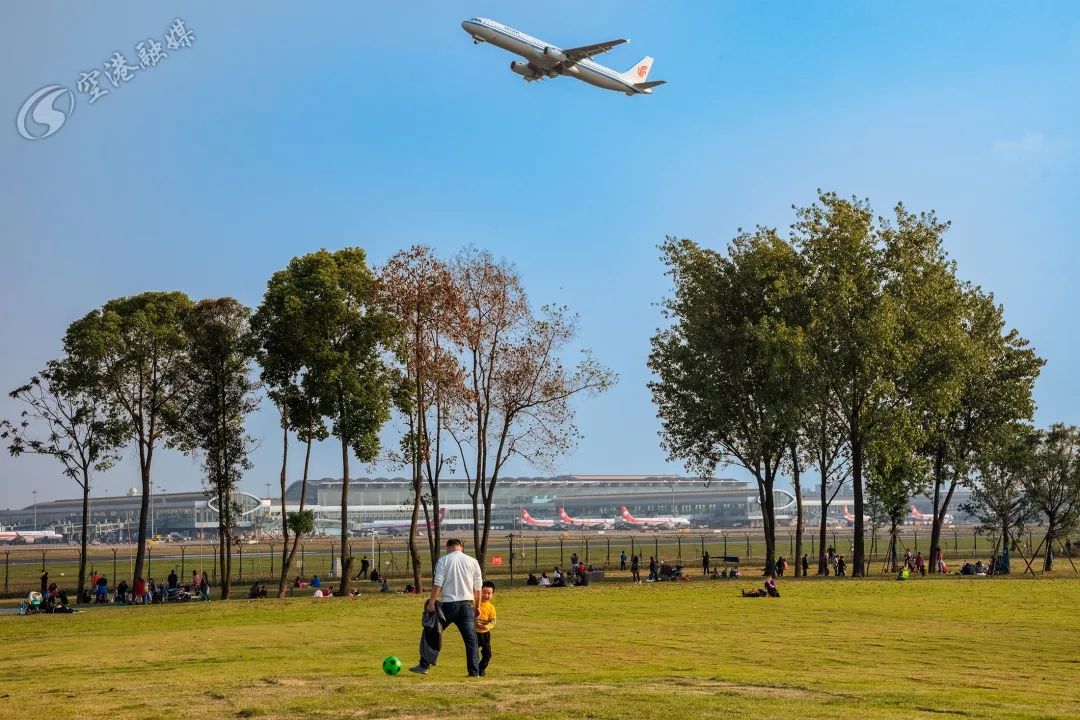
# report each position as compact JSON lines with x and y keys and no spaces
{"x":1031,"y":143}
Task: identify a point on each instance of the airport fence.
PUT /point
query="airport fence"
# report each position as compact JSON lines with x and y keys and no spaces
{"x":531,"y":552}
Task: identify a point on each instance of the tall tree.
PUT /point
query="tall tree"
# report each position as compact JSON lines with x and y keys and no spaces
{"x":70,"y":425}
{"x":998,"y":499}
{"x":895,"y":472}
{"x":347,"y":333}
{"x":995,"y":374}
{"x":825,"y":448}
{"x":730,"y":369}
{"x":1053,"y":485}
{"x":221,"y":394}
{"x":421,"y":290}
{"x":517,"y":391}
{"x":132,"y":353}
{"x":878,"y":291}
{"x":279,"y":327}
{"x":890,"y":485}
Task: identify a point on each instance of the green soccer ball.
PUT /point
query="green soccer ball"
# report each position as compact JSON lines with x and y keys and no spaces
{"x":391,"y":665}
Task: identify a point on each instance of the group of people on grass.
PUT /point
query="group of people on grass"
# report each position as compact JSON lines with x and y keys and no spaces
{"x":50,"y":599}
{"x":769,"y":589}
{"x":576,"y":574}
{"x":149,"y":592}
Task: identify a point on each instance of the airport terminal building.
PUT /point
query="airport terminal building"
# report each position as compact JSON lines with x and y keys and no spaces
{"x":717,"y":503}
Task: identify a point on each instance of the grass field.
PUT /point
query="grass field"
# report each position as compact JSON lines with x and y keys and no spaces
{"x":859,"y":648}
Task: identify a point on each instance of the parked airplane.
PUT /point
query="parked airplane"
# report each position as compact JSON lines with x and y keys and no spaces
{"x":540,"y":524}
{"x":850,"y":517}
{"x":543,"y":59}
{"x":673,"y":522}
{"x":400,"y":527}
{"x":917,"y":518}
{"x":29,"y":536}
{"x":586,"y":523}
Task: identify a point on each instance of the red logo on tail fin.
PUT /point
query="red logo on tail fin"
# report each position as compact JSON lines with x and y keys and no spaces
{"x":642,"y":71}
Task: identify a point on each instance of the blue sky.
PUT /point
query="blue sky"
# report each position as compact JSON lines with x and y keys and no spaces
{"x":284,"y":130}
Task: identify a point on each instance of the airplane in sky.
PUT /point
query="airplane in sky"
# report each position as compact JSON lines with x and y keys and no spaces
{"x":541,"y":524}
{"x":586,"y":523}
{"x":542,"y":59}
{"x":29,"y":536}
{"x":673,"y":522}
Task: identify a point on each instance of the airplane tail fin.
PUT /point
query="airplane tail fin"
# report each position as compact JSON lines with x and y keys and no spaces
{"x":646,"y":87}
{"x":640,"y":72}
{"x":563,"y":516}
{"x":626,"y":514}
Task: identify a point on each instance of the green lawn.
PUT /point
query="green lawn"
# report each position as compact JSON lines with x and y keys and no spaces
{"x":982,"y":648}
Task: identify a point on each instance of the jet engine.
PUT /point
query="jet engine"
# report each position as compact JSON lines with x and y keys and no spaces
{"x":554,"y":55}
{"x":524,"y":70}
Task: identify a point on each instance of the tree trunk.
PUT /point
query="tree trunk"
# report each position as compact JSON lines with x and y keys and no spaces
{"x":857,"y":556}
{"x":481,"y":550}
{"x":1048,"y":557}
{"x":417,"y":487}
{"x":284,"y":516}
{"x":144,"y":512}
{"x":1004,"y":569}
{"x":223,"y":547}
{"x":893,"y":539}
{"x":419,"y":451}
{"x":796,"y":484}
{"x":768,"y":519}
{"x":939,"y":480}
{"x":82,"y":539}
{"x":823,"y":526}
{"x":346,"y":560}
{"x":414,"y":552}
{"x":476,"y":521}
{"x":287,"y":563}
{"x":939,"y":516}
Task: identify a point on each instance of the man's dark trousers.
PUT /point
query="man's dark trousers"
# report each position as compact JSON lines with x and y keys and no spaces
{"x":463,"y":615}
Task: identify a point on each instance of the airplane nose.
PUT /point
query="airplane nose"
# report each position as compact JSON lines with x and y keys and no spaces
{"x":465,"y":26}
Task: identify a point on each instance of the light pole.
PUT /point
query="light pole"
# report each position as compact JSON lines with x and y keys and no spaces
{"x":152,"y":532}
{"x":35,"y":509}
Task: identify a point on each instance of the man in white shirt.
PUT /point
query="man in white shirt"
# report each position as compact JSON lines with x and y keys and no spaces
{"x":456,"y":589}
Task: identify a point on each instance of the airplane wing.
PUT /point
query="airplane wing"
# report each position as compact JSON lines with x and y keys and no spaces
{"x":576,"y":55}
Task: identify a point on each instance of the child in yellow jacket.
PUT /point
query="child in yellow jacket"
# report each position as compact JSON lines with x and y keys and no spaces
{"x":485,"y":623}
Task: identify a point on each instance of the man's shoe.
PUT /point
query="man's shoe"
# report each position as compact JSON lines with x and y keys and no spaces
{"x":475,"y":674}
{"x":483,"y":673}
{"x":419,"y":670}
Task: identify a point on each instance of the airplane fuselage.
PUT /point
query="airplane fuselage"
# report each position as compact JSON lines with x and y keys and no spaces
{"x":29,"y":537}
{"x":544,"y":56}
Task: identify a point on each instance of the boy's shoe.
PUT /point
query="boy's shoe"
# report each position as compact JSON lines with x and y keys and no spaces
{"x":419,"y":670}
{"x":483,"y":673}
